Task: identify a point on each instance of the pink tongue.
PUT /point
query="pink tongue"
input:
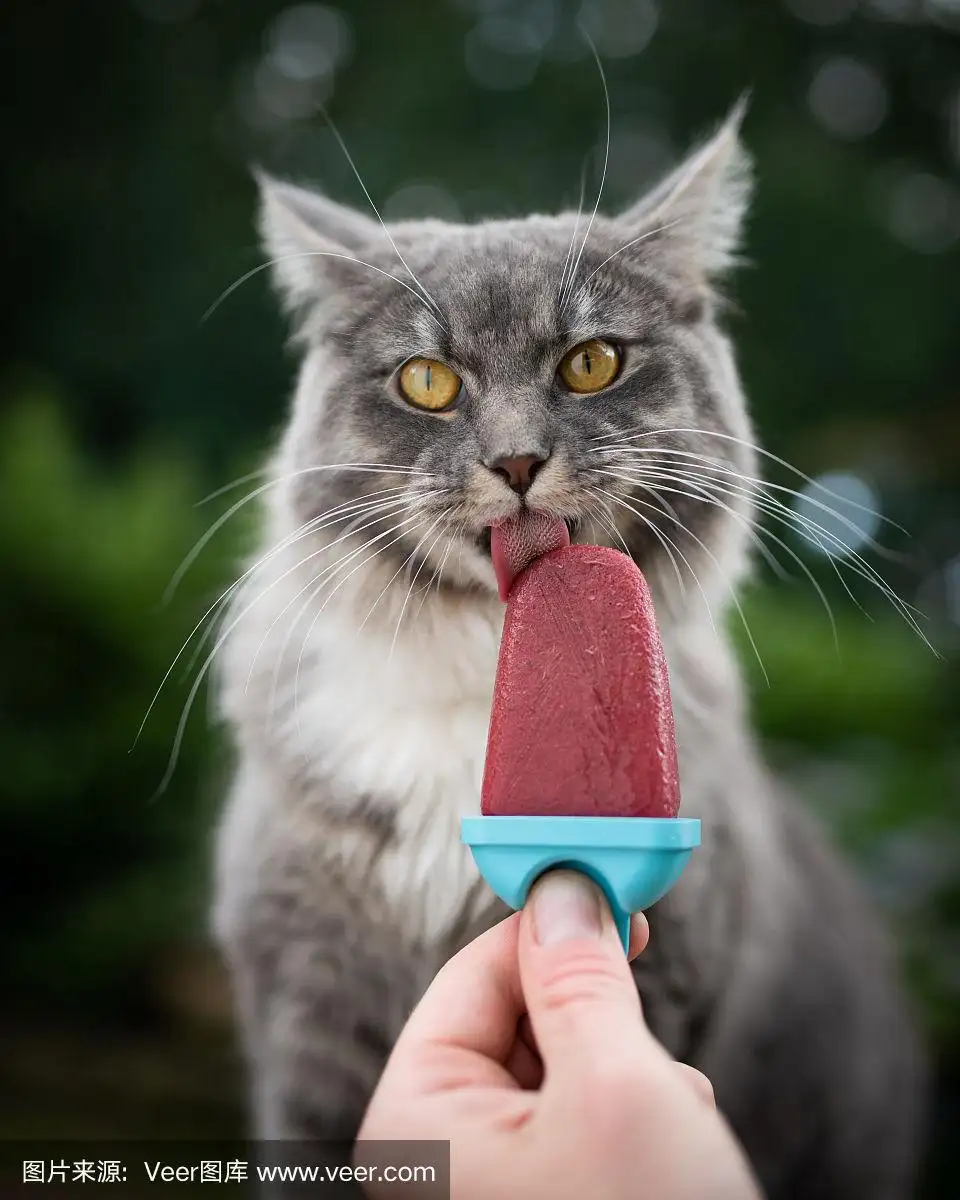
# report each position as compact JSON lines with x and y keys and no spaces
{"x":515,"y":543}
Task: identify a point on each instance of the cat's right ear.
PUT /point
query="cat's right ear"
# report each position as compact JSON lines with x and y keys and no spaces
{"x":309,"y":239}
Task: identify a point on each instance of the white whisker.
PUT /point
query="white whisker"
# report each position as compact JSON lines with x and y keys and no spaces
{"x":626,"y":246}
{"x":603,"y":176}
{"x":754,"y":532}
{"x":353,"y":166}
{"x":265,"y":266}
{"x":201,"y":543}
{"x":406,"y":599}
{"x":568,"y":259}
{"x":388,"y":508}
{"x":824,"y":539}
{"x":664,"y":541}
{"x":415,"y":520}
{"x":661,"y":504}
{"x":782,"y":462}
{"x":304,"y":531}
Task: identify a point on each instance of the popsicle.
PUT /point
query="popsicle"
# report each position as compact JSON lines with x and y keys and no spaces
{"x":581,"y":766}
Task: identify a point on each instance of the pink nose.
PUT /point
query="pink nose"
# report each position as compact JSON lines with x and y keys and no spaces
{"x":519,"y":472}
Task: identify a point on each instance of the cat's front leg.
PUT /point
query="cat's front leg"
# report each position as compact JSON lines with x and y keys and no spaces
{"x":325,"y":983}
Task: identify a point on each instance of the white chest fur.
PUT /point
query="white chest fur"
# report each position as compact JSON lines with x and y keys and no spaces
{"x":405,"y":721}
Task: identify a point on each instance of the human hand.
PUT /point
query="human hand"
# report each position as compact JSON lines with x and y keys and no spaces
{"x":530,"y":1055}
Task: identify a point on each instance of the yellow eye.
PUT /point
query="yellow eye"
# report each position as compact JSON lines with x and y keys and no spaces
{"x":590,"y":366}
{"x":429,"y":384}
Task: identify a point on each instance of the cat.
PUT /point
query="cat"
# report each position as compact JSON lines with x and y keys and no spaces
{"x":357,"y":659}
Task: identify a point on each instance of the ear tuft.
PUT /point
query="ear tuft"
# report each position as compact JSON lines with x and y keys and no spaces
{"x":306,"y":235}
{"x":701,"y":205}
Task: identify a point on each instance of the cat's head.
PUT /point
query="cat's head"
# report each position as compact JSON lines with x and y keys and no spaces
{"x":569,"y":363}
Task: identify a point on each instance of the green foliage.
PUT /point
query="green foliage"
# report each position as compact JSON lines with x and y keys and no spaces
{"x":101,"y":870}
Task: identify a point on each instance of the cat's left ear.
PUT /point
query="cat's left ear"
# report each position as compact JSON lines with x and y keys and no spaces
{"x":310,"y":239}
{"x":692,"y":221}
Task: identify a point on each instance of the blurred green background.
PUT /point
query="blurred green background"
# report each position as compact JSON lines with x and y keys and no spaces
{"x":129,"y":130}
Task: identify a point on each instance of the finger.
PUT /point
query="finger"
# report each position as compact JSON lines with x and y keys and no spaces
{"x":577,"y":983}
{"x":526,"y":1035}
{"x":699,"y":1082}
{"x":639,"y":935}
{"x":524,"y":1065}
{"x":475,"y":1001}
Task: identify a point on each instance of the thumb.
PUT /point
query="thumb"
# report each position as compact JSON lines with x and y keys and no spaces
{"x":577,"y":986}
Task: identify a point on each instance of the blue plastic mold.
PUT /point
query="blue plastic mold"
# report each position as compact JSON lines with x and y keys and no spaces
{"x":636,"y":860}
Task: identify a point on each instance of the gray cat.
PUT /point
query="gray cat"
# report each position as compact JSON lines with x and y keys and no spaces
{"x":451,"y":375}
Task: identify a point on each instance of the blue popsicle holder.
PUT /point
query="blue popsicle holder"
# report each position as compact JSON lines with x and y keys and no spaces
{"x":635,"y":860}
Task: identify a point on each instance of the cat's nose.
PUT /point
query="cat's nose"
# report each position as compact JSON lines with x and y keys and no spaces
{"x":518,"y":471}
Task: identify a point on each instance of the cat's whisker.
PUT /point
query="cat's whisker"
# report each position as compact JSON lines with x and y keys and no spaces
{"x":605,"y":519}
{"x":221,"y":600}
{"x":353,"y":167}
{"x":825,"y":539}
{"x":573,"y":236}
{"x":406,"y":599}
{"x":354,"y":512}
{"x":390,"y":581}
{"x":415,"y":520}
{"x":327,"y":574}
{"x":281,"y":258}
{"x":217,"y":525}
{"x":726,"y":468}
{"x":603,"y":177}
{"x":198,"y":682}
{"x":664,"y":541}
{"x":760,"y":495}
{"x":707,"y":497}
{"x":625,"y":474}
{"x":626,"y":246}
{"x":620,"y":440}
{"x":234,"y":483}
{"x":455,"y":539}
{"x":659,"y":506}
{"x":390,"y":509}
{"x":437,"y":576}
{"x":651,"y":525}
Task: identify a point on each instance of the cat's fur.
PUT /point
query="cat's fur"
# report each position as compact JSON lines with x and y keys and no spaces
{"x":360,"y":716}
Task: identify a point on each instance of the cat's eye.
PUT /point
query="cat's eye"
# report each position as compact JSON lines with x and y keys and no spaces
{"x":590,"y":366}
{"x":429,"y":384}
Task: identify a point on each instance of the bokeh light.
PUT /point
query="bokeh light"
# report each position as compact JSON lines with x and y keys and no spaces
{"x":821,"y":12}
{"x":503,"y":53}
{"x":893,"y":10}
{"x":619,"y":28}
{"x":840,"y":511}
{"x":309,"y":41}
{"x":848,"y":97}
{"x":923,"y":212}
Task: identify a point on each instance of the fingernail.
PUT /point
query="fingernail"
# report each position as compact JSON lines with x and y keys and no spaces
{"x":565,"y":906}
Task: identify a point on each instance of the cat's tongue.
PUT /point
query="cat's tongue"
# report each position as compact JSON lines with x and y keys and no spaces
{"x":515,"y":543}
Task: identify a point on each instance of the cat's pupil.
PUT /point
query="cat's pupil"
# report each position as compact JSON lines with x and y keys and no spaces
{"x":429,"y":378}
{"x":587,"y":362}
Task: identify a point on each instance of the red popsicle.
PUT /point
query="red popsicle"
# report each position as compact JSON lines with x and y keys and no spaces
{"x":581,"y":722}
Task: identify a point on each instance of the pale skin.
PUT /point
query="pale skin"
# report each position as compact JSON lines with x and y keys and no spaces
{"x":530,"y":1055}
